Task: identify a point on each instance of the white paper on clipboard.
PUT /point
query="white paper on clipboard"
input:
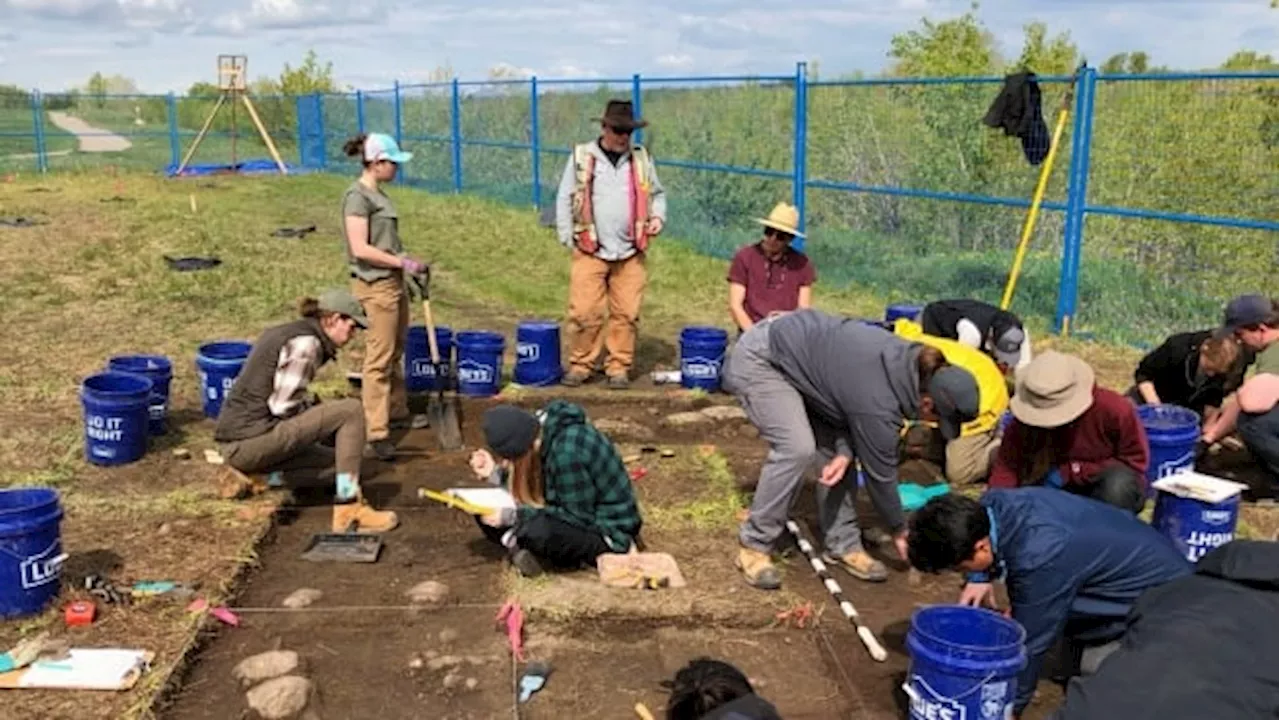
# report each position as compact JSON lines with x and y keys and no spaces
{"x":489,"y":497}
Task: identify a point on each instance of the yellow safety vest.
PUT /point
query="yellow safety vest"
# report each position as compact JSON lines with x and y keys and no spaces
{"x":993,"y":393}
{"x":584,"y":227}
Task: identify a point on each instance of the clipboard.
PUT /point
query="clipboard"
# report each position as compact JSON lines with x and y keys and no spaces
{"x":457,"y":498}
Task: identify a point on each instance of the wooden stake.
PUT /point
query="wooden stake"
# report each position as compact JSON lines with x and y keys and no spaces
{"x":266,"y":137}
{"x":200,"y":136}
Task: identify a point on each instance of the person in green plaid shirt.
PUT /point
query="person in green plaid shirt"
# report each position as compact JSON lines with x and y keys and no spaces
{"x":573,"y":494}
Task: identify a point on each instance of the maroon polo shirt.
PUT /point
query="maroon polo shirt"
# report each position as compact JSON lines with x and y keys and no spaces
{"x":772,"y":286}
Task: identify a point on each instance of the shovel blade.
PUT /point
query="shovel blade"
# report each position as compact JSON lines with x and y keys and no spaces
{"x":444,"y":418}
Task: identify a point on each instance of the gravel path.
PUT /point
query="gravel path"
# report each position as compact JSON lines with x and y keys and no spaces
{"x":91,"y":139}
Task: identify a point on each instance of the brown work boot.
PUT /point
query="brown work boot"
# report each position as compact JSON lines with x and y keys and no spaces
{"x":757,"y":567}
{"x":235,"y":485}
{"x":860,"y":565}
{"x":575,"y":378}
{"x":366,"y":519}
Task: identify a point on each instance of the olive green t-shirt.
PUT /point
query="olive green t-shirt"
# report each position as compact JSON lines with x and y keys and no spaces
{"x":1268,"y":360}
{"x":384,"y":232}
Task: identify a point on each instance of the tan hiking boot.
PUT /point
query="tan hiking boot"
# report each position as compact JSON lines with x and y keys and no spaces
{"x":758,"y":569}
{"x":860,"y":565}
{"x":366,"y":519}
{"x":235,"y":485}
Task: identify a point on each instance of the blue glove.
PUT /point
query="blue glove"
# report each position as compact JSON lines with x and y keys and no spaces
{"x":1054,"y":479}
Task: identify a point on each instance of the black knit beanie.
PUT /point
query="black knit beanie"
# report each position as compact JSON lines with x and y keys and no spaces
{"x":509,"y":431}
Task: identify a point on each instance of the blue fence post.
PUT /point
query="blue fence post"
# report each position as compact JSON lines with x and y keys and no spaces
{"x":400,"y":176}
{"x":800,"y":177}
{"x":636,"y":105}
{"x":175,"y":143}
{"x":534,"y":143}
{"x":1077,"y":199}
{"x":455,"y":136}
{"x":324,"y":133}
{"x":37,"y":126}
{"x":360,"y":111}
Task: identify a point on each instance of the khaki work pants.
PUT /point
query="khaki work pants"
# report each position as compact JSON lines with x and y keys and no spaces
{"x":969,"y":458}
{"x":595,"y":286}
{"x":294,"y":444}
{"x":382,"y":385}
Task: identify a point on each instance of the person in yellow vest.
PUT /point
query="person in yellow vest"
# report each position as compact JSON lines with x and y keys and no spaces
{"x":968,"y":457}
{"x":610,"y":205}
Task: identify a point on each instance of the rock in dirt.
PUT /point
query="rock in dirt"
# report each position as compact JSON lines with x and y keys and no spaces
{"x":476,"y":660}
{"x":164,"y":529}
{"x":302,"y":597}
{"x":623,"y":429}
{"x":448,"y":635}
{"x":685,"y":419}
{"x":452,"y":680}
{"x":472,"y":683}
{"x":265,"y":665}
{"x":431,"y":654}
{"x":182,"y":453}
{"x":428,"y":592}
{"x":280,"y":698}
{"x":444,"y":661}
{"x":724,"y":413}
{"x":415,"y":663}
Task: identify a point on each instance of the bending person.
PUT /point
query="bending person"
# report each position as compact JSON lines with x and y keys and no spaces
{"x":1194,"y":370}
{"x":820,"y":387}
{"x":271,"y":424}
{"x":573,"y":494}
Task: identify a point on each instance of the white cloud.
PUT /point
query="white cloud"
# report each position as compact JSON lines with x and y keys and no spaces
{"x":675,"y":62}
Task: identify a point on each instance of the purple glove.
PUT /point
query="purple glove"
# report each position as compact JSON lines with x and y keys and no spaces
{"x":411,"y":266}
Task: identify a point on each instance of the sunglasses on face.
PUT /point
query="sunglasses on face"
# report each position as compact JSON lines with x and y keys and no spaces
{"x":620,"y":130}
{"x":785,"y":237}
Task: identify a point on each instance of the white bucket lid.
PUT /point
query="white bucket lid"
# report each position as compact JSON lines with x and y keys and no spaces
{"x":1198,"y":486}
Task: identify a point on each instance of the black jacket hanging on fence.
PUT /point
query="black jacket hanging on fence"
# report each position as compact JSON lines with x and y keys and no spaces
{"x":1017,"y":110}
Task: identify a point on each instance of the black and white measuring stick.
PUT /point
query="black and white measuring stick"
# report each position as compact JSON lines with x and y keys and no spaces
{"x":864,"y":633}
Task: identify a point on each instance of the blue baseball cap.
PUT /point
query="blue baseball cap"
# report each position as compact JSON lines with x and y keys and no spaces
{"x":379,"y":146}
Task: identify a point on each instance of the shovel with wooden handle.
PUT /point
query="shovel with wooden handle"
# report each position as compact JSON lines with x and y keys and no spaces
{"x":443,"y":415}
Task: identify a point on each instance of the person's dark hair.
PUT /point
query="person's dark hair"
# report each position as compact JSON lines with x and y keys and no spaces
{"x":309,"y":307}
{"x":930,"y":361}
{"x":944,"y":531}
{"x":702,"y":686}
{"x":354,"y":147}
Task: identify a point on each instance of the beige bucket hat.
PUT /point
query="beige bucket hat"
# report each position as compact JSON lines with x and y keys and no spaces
{"x":783,"y":217}
{"x":1052,"y":390}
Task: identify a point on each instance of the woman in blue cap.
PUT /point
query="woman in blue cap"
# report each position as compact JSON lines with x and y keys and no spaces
{"x":379,"y":269}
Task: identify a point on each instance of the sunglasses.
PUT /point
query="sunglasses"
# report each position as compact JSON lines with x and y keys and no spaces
{"x":786,"y":237}
{"x":620,"y":130}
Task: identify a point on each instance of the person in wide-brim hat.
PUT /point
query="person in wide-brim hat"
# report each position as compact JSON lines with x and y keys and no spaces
{"x":620,"y":115}
{"x":770,"y":276}
{"x":1068,"y":432}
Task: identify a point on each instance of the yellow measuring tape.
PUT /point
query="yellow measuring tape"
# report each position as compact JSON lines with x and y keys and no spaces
{"x":454,"y":502}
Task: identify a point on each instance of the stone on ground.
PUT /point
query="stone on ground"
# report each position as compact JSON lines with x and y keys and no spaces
{"x":452,"y":680}
{"x":265,"y":665}
{"x":724,"y":413}
{"x":444,"y":661}
{"x":623,"y":429}
{"x":472,"y":683}
{"x":280,"y":698}
{"x":302,"y":597}
{"x":685,"y":419}
{"x":448,"y":635}
{"x":428,"y":592}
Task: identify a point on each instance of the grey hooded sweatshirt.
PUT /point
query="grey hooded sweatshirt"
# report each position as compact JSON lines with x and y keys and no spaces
{"x":857,"y":378}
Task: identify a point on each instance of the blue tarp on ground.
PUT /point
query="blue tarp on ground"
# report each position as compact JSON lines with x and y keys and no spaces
{"x":259,"y":166}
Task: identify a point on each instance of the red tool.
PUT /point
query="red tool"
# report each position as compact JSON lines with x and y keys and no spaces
{"x":80,"y":613}
{"x":513,"y":617}
{"x":639,"y":473}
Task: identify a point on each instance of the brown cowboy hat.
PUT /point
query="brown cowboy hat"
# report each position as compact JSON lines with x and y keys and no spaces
{"x":619,"y":114}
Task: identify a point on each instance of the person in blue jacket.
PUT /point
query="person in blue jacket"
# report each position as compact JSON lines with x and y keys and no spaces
{"x":1073,"y":566}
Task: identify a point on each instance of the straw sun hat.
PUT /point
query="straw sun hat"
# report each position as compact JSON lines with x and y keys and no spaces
{"x":785,"y":218}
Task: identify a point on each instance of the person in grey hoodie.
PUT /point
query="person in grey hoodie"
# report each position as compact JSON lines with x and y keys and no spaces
{"x":821,"y":387}
{"x":609,"y":206}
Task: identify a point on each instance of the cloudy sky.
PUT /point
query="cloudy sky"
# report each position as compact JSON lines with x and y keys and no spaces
{"x":168,"y":44}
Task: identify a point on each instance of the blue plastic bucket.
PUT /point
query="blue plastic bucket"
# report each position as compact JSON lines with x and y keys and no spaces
{"x":964,"y":663}
{"x":1172,"y":432}
{"x":30,"y":550}
{"x":910,"y":312}
{"x":115,"y":417}
{"x":701,"y":357}
{"x":219,"y":363}
{"x":479,"y":362}
{"x":159,"y":370}
{"x":419,"y":373}
{"x":538,"y":354}
{"x":1195,"y":526}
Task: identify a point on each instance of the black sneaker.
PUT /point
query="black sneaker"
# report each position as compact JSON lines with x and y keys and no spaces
{"x":384,"y":450}
{"x":525,"y":563}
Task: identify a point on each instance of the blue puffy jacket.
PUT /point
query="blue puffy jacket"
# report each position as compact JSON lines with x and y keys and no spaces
{"x":1068,"y":557}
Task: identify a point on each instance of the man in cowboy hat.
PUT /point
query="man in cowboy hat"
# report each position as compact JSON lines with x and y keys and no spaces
{"x":609,"y":205}
{"x":770,"y":276}
{"x":1068,"y":432}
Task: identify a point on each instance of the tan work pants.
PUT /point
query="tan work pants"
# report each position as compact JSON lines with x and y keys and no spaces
{"x":594,"y":286}
{"x":294,"y":444}
{"x":382,"y":385}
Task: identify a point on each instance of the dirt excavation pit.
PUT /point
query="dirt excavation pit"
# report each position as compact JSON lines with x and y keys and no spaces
{"x":372,"y":641}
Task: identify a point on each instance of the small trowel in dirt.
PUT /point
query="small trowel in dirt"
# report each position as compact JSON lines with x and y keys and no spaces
{"x":443,"y":414}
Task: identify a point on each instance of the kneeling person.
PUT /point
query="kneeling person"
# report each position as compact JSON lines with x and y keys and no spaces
{"x":270,"y":424}
{"x":573,"y":493}
{"x":1073,"y":566}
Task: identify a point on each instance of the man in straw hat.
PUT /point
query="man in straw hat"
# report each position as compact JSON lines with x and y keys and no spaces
{"x":609,"y":206}
{"x":1069,"y":433}
{"x":770,"y":276}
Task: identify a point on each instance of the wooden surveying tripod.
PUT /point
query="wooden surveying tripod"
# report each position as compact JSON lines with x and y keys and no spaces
{"x":231,"y":82}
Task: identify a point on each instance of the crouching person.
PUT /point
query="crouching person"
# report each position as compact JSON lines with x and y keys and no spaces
{"x":1073,"y":566}
{"x":572,"y":491}
{"x":270,"y":424}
